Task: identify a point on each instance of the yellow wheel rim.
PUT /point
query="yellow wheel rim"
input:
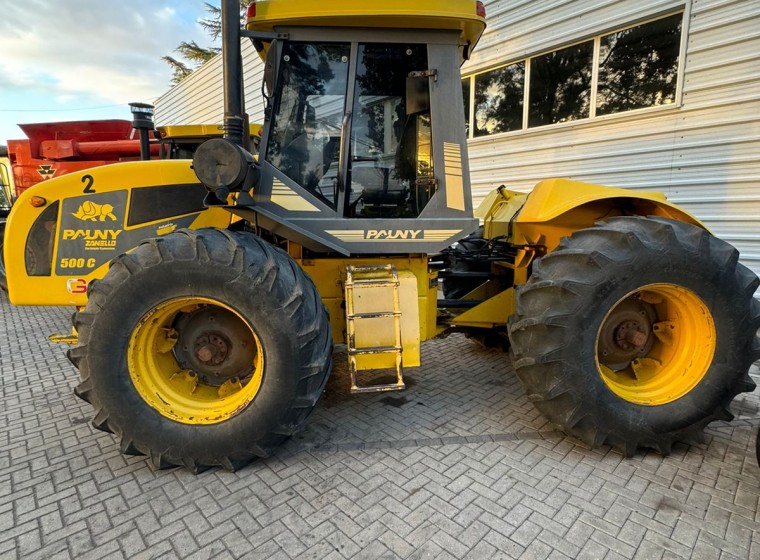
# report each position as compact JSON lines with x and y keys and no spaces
{"x":656,"y":344}
{"x":195,"y":360}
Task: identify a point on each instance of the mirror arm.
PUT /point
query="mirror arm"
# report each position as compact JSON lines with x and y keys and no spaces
{"x":263,"y":36}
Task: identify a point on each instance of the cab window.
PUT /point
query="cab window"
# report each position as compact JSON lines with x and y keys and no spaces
{"x":304,"y":143}
{"x":391,"y":167}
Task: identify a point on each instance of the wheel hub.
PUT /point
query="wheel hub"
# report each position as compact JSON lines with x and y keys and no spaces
{"x":626,"y":334}
{"x":212,"y":348}
{"x":631,"y":335}
{"x":656,"y":344}
{"x":215,"y":344}
{"x":195,"y":360}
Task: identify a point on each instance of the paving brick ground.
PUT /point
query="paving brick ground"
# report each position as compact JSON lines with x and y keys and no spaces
{"x":458,"y":466}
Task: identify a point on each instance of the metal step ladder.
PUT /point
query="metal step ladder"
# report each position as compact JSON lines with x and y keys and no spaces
{"x":357,"y":279}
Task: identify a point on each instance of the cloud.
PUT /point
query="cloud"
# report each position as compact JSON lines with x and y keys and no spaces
{"x":109,"y":51}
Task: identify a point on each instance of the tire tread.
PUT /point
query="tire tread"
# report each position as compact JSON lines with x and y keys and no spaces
{"x":275,"y":272}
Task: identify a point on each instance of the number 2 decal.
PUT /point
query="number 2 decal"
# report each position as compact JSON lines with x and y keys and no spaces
{"x":88,"y":181}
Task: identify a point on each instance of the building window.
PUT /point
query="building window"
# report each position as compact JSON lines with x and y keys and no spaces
{"x":499,"y":99}
{"x":633,"y":68}
{"x":638,"y":67}
{"x":560,"y":85}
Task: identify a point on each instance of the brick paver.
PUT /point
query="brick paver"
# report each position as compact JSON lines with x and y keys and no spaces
{"x":458,"y":466}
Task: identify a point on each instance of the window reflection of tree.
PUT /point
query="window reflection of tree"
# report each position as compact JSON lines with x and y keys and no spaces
{"x":381,"y":75}
{"x":384,"y":138}
{"x":466,"y":96}
{"x":310,"y":72}
{"x":499,"y":100}
{"x":560,"y":85}
{"x":639,"y":66}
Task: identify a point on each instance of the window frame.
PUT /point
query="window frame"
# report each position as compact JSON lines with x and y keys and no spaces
{"x":684,"y":11}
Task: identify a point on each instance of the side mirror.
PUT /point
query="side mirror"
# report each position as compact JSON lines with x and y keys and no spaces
{"x":417,"y":94}
{"x":269,"y":69}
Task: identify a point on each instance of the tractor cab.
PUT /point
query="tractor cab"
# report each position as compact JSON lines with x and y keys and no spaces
{"x":362,"y":152}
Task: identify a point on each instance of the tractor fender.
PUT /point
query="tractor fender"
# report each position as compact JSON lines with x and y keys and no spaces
{"x":63,"y":233}
{"x":558,"y":207}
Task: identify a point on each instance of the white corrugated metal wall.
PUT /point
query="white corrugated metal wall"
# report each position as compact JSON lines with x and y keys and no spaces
{"x":199,"y":98}
{"x":704,"y":153}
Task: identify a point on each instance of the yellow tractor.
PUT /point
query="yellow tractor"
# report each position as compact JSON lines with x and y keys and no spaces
{"x":629,"y":323}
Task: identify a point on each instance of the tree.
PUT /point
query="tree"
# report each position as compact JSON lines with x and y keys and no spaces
{"x":193,"y":55}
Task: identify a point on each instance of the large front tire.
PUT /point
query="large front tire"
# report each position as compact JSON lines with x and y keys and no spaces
{"x":637,"y":333}
{"x":202,"y":349}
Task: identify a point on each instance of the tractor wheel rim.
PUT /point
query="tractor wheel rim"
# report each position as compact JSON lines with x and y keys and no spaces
{"x":179,"y":392}
{"x":666,"y":353}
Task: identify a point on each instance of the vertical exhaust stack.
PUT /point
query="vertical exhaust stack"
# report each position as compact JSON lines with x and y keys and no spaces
{"x":142,"y":121}
{"x":226,"y":165}
{"x":234,"y":119}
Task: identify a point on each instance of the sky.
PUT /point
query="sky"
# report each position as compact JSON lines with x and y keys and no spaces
{"x":65,"y":60}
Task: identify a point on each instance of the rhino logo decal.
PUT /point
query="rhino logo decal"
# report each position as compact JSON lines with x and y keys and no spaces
{"x":91,"y":212}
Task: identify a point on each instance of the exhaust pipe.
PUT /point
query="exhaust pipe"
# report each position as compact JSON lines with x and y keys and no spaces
{"x":234,"y":118}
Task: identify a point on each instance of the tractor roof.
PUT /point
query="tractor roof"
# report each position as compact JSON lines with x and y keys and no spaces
{"x":180,"y":131}
{"x":466,"y":16}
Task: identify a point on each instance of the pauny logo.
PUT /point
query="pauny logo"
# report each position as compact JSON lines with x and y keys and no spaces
{"x":94,"y":239}
{"x":46,"y":171}
{"x":393,"y":234}
{"x":90,"y":212}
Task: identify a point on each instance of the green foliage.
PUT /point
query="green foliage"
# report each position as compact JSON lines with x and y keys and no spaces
{"x":192,"y":55}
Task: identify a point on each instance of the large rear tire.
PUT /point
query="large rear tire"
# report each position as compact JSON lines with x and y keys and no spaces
{"x":637,"y":333}
{"x":203,"y":348}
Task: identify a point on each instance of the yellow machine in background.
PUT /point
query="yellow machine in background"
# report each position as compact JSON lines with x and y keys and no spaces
{"x":6,"y":183}
{"x":215,"y":289}
{"x":6,"y":201}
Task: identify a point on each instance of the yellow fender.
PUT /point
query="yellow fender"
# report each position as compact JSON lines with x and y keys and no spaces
{"x":558,"y":207}
{"x":63,"y":233}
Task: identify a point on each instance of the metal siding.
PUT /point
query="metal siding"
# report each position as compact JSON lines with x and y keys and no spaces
{"x":199,"y":99}
{"x":705,"y":154}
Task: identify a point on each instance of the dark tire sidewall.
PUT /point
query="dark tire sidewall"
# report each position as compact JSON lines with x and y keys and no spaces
{"x":564,"y":303}
{"x":714,"y":388}
{"x":129,"y":413}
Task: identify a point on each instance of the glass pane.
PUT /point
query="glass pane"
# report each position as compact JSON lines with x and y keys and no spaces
{"x":638,"y":67}
{"x":466,"y":97}
{"x":391,"y":159}
{"x":305,"y":140}
{"x":499,"y":100}
{"x":560,"y":85}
